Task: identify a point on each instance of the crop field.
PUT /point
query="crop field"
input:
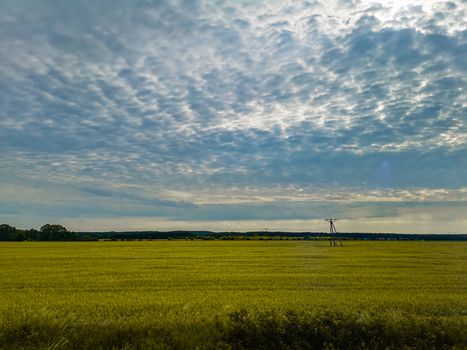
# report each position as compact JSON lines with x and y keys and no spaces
{"x":233,"y":295}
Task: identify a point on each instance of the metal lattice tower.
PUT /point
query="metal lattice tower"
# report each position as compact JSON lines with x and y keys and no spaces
{"x":332,"y":233}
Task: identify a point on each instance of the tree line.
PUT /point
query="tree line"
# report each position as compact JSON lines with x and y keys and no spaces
{"x":55,"y":232}
{"x":48,"y":232}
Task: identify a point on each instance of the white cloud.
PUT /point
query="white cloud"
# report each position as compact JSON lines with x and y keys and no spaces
{"x":240,"y":102}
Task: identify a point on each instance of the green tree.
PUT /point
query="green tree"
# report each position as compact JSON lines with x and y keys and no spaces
{"x":32,"y":235}
{"x":9,"y":233}
{"x":54,"y":232}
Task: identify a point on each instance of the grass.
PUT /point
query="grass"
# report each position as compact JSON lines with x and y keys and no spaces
{"x":233,"y":294}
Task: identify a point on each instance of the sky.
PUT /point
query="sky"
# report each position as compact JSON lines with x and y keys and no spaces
{"x":234,"y":115}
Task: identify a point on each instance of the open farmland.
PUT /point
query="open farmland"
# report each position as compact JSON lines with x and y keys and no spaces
{"x":233,"y":294}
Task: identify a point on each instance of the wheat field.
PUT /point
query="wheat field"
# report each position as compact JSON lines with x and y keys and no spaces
{"x":233,"y":295}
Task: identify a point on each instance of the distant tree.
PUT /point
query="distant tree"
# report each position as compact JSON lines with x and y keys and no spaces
{"x":20,"y":236}
{"x":54,"y":232}
{"x":32,"y":235}
{"x":9,"y":233}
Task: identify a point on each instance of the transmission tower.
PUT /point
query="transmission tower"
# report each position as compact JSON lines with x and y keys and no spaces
{"x":332,"y":233}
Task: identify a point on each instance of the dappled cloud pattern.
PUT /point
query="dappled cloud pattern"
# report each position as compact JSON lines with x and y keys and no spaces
{"x":233,"y":110}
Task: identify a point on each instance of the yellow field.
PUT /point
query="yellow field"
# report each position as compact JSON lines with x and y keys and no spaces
{"x":187,"y":294}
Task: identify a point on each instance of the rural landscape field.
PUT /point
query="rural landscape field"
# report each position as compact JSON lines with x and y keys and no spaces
{"x":180,"y":174}
{"x":233,"y":295}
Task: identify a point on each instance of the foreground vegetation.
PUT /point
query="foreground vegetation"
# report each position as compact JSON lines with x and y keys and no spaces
{"x":233,"y":294}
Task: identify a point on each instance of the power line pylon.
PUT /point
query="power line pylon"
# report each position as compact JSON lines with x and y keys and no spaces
{"x":332,"y":233}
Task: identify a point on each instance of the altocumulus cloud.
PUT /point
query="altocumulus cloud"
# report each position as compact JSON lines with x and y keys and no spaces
{"x":171,"y":113}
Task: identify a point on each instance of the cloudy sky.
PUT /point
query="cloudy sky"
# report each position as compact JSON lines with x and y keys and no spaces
{"x":234,"y":115}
